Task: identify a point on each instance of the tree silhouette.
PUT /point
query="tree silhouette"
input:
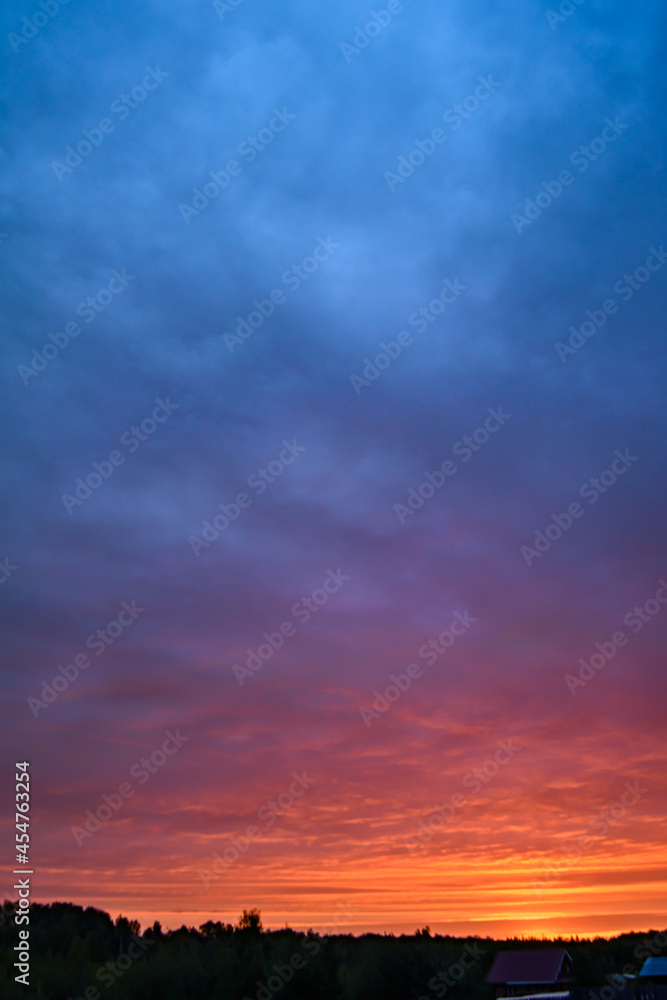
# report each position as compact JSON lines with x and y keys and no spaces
{"x":251,"y":920}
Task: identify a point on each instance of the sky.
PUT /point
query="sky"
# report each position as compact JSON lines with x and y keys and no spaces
{"x":333,"y":371}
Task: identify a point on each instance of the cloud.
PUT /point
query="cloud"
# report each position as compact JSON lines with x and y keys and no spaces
{"x":322,"y":177}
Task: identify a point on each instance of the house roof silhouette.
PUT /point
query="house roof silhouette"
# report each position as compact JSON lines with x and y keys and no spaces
{"x":529,"y":966}
{"x":654,"y":967}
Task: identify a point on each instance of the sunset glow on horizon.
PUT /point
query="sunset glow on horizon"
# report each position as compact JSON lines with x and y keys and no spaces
{"x":417,"y":818}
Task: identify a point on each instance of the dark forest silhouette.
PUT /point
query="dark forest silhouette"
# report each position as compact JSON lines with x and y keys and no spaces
{"x":74,"y":950}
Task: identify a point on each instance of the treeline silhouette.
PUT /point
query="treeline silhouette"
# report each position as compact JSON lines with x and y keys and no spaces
{"x":82,"y":954}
